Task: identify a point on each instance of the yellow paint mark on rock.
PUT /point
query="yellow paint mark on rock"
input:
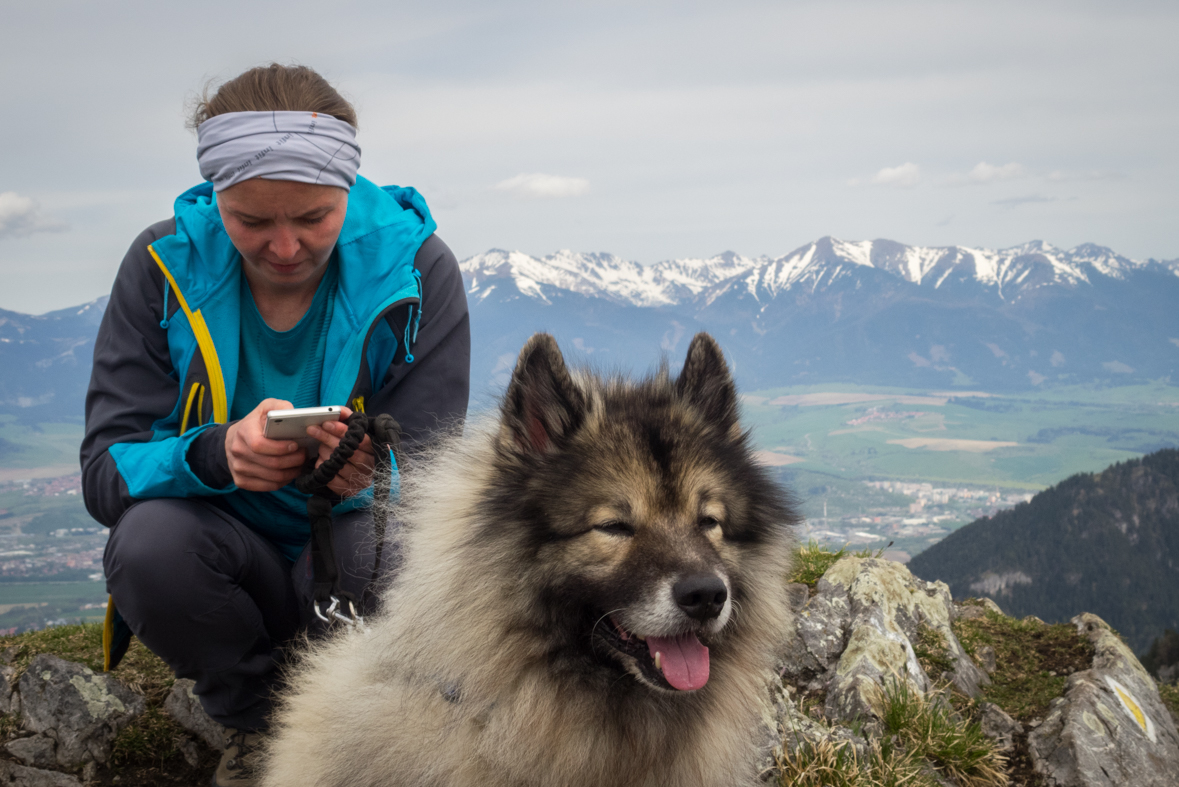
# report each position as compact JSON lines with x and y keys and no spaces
{"x":1132,"y":707}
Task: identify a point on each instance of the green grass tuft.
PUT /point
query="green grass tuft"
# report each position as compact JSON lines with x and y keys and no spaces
{"x":828,"y":764}
{"x":929,"y":728}
{"x":812,"y":561}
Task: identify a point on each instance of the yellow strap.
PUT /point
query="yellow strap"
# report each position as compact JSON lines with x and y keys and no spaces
{"x":201,"y":408}
{"x":108,"y":634}
{"x":188,"y":408}
{"x":358,"y":404}
{"x":196,"y":321}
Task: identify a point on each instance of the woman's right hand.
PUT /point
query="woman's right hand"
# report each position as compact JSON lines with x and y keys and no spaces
{"x":258,"y":463}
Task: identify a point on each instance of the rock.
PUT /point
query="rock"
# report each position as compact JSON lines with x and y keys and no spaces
{"x":999,"y":727}
{"x":1169,"y":674}
{"x":79,"y":709}
{"x":857,"y":631}
{"x":785,"y":728}
{"x":6,"y":692}
{"x":1110,"y":728}
{"x":13,"y":775}
{"x":797,"y":594}
{"x":986,"y":656}
{"x":185,"y":709}
{"x":39,"y":751}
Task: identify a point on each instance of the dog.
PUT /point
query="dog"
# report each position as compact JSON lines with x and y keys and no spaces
{"x":592,"y":593}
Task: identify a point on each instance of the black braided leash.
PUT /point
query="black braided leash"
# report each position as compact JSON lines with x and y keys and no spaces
{"x":386,"y":441}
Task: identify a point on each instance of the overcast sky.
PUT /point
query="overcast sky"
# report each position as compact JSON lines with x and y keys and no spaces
{"x":649,"y":130}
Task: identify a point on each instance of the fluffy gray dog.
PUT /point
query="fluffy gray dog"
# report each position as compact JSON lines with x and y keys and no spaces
{"x":593,"y":591}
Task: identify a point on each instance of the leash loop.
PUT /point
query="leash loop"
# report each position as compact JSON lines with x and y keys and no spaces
{"x":329,"y":601}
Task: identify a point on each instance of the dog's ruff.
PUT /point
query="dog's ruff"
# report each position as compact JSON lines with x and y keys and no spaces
{"x":539,"y":551}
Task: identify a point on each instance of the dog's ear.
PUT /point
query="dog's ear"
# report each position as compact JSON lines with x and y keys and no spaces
{"x":543,"y":406}
{"x":706,"y":384}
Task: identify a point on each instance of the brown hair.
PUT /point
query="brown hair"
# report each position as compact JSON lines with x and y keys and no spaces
{"x":273,"y":87}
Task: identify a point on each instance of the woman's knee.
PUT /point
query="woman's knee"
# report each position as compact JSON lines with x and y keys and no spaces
{"x":160,"y":545}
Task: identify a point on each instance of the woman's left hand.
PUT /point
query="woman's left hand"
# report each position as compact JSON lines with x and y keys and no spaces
{"x":357,"y":473}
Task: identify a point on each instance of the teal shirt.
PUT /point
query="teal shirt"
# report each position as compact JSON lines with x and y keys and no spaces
{"x":280,"y":365}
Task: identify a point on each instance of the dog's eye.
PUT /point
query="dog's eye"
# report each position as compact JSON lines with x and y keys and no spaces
{"x":616,"y":528}
{"x":708,"y":522}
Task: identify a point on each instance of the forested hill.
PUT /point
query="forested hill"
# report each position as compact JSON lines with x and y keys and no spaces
{"x":1103,"y":542}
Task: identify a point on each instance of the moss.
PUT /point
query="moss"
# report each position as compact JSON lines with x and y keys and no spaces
{"x":932,"y":651}
{"x":1170,"y":695}
{"x":1033,"y":660}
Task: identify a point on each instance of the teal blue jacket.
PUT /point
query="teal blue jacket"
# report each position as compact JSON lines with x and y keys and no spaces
{"x":383,"y":230}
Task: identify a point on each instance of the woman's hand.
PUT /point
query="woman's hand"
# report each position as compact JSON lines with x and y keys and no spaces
{"x":258,"y":463}
{"x":357,"y":473}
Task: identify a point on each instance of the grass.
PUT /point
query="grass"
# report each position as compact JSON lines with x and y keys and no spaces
{"x":1033,"y":660}
{"x":931,"y":730}
{"x":923,"y":740}
{"x":829,"y":764}
{"x":812,"y":560}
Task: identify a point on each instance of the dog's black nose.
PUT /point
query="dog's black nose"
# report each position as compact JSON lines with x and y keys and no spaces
{"x":700,"y":596}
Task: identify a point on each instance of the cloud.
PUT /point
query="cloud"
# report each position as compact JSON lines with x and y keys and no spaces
{"x":905,"y":176}
{"x":986,"y":173}
{"x":1013,"y":202}
{"x":21,"y":216}
{"x":538,"y":185}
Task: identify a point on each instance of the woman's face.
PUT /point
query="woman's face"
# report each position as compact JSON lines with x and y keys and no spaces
{"x":284,"y":230}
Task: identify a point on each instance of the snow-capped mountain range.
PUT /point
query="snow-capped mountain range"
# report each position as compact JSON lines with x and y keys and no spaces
{"x":860,"y":311}
{"x":870,"y":312}
{"x":1009,"y":273}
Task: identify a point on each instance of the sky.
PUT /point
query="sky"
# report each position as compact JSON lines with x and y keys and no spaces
{"x":649,"y":130}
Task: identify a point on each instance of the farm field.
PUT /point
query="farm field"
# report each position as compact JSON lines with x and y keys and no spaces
{"x":973,"y":451}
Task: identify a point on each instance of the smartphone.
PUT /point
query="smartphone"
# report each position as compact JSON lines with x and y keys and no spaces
{"x":292,"y":424}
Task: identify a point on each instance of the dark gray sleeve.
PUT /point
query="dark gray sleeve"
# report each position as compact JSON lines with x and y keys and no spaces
{"x":133,"y":383}
{"x":431,"y":393}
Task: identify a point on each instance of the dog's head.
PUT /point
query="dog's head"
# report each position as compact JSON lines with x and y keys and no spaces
{"x":647,"y":525}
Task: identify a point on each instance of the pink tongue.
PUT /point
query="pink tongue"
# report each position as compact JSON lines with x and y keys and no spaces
{"x":684,"y":660}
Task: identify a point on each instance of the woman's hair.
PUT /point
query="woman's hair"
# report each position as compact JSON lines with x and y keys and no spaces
{"x":273,"y":87}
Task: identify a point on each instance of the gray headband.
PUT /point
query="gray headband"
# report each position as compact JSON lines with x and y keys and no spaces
{"x":308,"y":147}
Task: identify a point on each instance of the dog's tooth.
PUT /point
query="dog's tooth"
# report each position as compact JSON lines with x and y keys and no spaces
{"x":658,"y":661}
{"x":640,"y":638}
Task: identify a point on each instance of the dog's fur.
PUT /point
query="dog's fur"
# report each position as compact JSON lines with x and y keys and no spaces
{"x":538,"y":550}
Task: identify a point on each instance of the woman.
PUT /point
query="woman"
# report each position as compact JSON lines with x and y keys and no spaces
{"x":285,"y":281}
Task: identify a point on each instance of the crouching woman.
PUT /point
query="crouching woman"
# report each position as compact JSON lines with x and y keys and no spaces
{"x":285,"y":280}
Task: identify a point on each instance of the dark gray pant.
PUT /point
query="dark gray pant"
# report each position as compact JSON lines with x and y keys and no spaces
{"x":218,"y":602}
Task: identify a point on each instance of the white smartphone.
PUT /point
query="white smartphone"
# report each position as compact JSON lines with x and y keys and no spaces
{"x":292,"y":424}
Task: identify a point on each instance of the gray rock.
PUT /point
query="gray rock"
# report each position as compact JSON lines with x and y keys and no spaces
{"x":39,"y":751}
{"x":6,"y":690}
{"x":1169,"y":674}
{"x":986,"y":657}
{"x":185,"y":709}
{"x":860,"y":625}
{"x":797,"y":594}
{"x":13,"y":775}
{"x":999,"y":727}
{"x":785,"y":728}
{"x":79,"y":709}
{"x":1110,"y":728}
